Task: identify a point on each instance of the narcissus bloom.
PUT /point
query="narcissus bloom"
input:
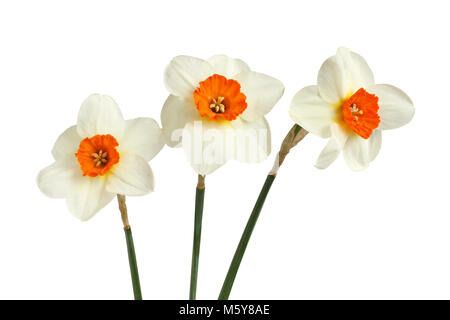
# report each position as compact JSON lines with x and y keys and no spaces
{"x":349,"y":108}
{"x":103,"y":155}
{"x":216,"y":110}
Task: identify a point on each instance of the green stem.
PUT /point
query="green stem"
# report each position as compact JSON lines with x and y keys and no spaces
{"x":234,"y":267}
{"x":199,"y":199}
{"x":294,"y":136}
{"x":133,"y":265}
{"x":130,"y":248}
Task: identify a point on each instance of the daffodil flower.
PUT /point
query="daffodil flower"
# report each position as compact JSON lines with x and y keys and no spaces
{"x":100,"y":157}
{"x":215,"y":111}
{"x":349,"y":108}
{"x":212,"y":100}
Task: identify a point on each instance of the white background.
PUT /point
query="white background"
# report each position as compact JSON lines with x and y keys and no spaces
{"x":383,"y":233}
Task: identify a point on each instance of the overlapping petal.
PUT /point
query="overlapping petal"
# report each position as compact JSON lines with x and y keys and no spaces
{"x":340,"y":132}
{"x":341,"y":75}
{"x":329,"y":154}
{"x":55,"y":181}
{"x":87,"y":196}
{"x":132,"y":176}
{"x":227,"y":67}
{"x":205,"y":145}
{"x":359,"y":152}
{"x":310,"y":111}
{"x":175,"y":114}
{"x":67,"y":145}
{"x":339,"y":136}
{"x":183,"y":74}
{"x":143,"y":137}
{"x":396,"y":108}
{"x":251,"y":140}
{"x":374,"y":144}
{"x":99,"y":114}
{"x":356,"y":152}
{"x":262,"y":92}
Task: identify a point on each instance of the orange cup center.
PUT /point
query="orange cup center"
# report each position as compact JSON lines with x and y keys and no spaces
{"x":219,"y":98}
{"x":97,"y":155}
{"x":360,"y":113}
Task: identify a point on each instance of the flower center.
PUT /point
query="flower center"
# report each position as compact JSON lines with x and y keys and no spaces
{"x":360,"y":113}
{"x":217,"y":106}
{"x":220,"y":98}
{"x":100,"y":158}
{"x":97,"y":155}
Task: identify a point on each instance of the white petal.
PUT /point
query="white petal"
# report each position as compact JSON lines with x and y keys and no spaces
{"x":88,"y":196}
{"x":205,"y":144}
{"x":262,"y":92}
{"x":174,"y":116}
{"x":251,"y":140}
{"x":132,"y":176}
{"x":142,"y":137}
{"x":342,"y":75}
{"x":311,"y":112}
{"x":184,"y":73}
{"x":67,"y":145}
{"x":396,"y":108}
{"x":374,"y":144}
{"x":356,"y":152}
{"x":226,"y":66}
{"x":99,"y":114}
{"x":340,"y":132}
{"x":56,"y":180}
{"x":329,"y":154}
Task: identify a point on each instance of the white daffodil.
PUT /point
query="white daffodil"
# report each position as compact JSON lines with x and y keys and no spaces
{"x":347,"y":106}
{"x":103,"y":155}
{"x":216,"y":110}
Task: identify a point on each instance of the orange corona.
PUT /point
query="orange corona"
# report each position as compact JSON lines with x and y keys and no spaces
{"x":360,"y":113}
{"x":97,"y":155}
{"x":219,"y":98}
